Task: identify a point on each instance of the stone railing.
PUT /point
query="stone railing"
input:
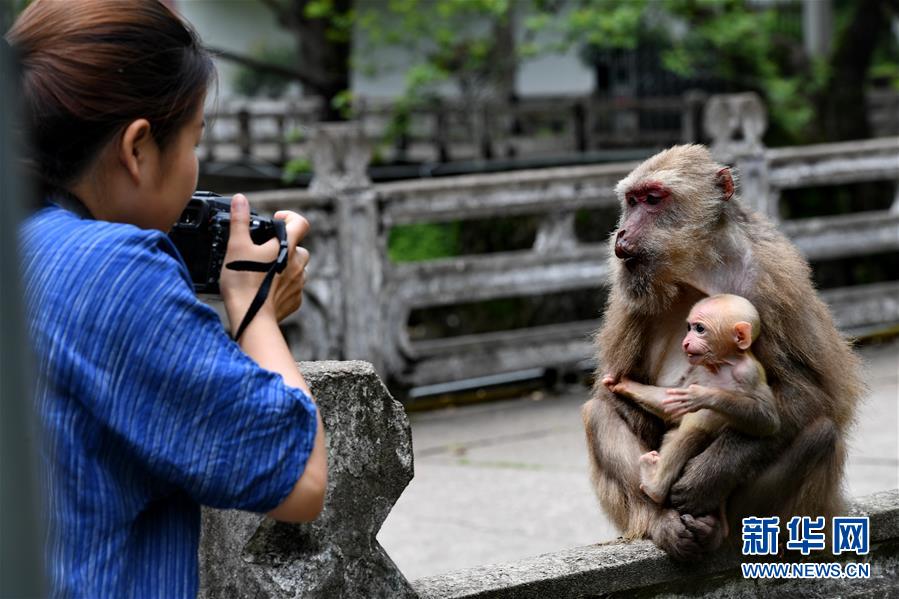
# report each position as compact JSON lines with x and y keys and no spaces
{"x":445,"y":130}
{"x":358,"y":302}
{"x":639,"y":569}
{"x":369,"y":465}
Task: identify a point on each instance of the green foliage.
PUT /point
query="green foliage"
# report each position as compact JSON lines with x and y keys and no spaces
{"x":885,"y":66}
{"x":455,"y":43}
{"x":423,"y":241}
{"x":609,"y":24}
{"x":253,"y":82}
{"x":295,"y":167}
{"x":339,"y":24}
{"x":343,"y":103}
{"x":452,"y":40}
{"x":748,"y":47}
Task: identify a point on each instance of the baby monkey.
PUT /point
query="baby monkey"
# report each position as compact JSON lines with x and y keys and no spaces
{"x":724,"y":386}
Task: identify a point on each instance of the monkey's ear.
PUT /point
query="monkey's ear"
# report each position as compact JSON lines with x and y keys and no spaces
{"x":743,"y":335}
{"x":725,"y":182}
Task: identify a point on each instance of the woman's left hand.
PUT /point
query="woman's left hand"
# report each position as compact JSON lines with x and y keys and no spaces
{"x":288,"y":293}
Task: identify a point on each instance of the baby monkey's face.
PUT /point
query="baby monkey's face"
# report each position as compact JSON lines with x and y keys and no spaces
{"x":696,"y":344}
{"x":707,"y":339}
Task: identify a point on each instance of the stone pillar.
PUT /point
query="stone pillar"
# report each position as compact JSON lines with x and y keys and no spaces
{"x":556,"y":233}
{"x":369,"y":464}
{"x":736,"y":123}
{"x":755,"y":189}
{"x":340,"y":157}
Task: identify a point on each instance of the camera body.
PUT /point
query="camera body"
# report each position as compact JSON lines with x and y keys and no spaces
{"x":201,"y":236}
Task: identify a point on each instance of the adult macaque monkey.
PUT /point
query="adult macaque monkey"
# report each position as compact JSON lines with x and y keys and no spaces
{"x":724,"y":386}
{"x":683,"y":236}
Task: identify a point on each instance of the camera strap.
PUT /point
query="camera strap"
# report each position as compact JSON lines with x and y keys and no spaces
{"x":269,"y":268}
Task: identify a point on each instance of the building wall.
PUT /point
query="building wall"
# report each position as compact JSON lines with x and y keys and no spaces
{"x":235,"y":25}
{"x":238,"y":25}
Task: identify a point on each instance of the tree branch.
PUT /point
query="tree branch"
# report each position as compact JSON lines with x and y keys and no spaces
{"x":279,"y":9}
{"x":305,"y":78}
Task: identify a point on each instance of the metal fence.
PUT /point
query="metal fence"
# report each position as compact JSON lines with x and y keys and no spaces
{"x":359,"y":302}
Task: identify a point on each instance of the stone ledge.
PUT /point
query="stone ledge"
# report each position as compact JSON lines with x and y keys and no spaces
{"x":369,"y":464}
{"x":639,"y":569}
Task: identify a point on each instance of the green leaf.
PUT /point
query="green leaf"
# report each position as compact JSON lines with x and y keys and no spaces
{"x":295,"y":167}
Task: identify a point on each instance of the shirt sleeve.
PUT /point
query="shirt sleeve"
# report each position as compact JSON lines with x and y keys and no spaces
{"x":160,"y":372}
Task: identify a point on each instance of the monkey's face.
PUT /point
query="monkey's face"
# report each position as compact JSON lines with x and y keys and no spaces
{"x":707,"y":340}
{"x":695,"y":345}
{"x":670,"y":207}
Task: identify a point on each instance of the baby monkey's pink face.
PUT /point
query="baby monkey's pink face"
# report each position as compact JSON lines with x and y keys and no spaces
{"x":718,"y":328}
{"x":705,"y":341}
{"x":695,"y":343}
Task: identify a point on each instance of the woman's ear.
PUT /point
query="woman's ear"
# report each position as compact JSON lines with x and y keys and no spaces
{"x":136,"y":147}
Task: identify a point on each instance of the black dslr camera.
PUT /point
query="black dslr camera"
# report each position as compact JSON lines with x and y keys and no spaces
{"x":201,"y":236}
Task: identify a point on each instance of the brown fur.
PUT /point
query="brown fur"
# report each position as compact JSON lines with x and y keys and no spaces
{"x":811,"y":370}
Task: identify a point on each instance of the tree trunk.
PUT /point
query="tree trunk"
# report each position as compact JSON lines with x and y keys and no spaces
{"x":323,"y":49}
{"x":842,"y":110}
{"x":325,"y":56}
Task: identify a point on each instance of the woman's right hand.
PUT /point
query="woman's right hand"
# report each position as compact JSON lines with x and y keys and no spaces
{"x":239,"y":288}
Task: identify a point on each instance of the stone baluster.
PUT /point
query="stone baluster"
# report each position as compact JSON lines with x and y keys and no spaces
{"x":369,"y":464}
{"x":340,"y":157}
{"x":736,"y":123}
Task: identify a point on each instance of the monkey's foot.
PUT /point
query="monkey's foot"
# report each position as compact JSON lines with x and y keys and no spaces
{"x":649,"y":459}
{"x":649,"y":462}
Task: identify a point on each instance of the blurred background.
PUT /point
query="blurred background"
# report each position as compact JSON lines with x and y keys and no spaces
{"x":451,"y":87}
{"x":482,"y":139}
{"x":469,"y":108}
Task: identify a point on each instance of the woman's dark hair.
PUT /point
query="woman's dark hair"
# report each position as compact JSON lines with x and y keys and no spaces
{"x":90,"y":67}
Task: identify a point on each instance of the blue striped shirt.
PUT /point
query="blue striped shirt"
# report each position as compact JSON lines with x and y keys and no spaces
{"x":147,"y":407}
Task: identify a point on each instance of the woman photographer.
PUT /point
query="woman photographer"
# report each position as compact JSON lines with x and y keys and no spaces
{"x":148,"y":408}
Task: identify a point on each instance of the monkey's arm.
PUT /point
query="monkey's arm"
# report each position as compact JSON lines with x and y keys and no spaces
{"x":646,"y":396}
{"x":751,"y":411}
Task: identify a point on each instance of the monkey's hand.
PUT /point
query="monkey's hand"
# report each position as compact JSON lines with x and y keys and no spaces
{"x":680,"y":401}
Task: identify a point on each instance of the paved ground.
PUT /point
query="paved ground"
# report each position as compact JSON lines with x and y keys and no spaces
{"x":509,"y":480}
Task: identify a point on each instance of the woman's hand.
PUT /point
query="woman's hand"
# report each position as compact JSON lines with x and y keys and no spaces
{"x":239,"y":288}
{"x":262,"y":340}
{"x":288,"y":295}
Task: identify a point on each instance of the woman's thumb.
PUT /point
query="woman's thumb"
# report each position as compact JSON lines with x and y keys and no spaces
{"x":240,"y":217}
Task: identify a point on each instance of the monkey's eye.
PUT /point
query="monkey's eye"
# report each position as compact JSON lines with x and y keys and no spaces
{"x":652,"y":200}
{"x":699,"y":328}
{"x":688,"y":327}
{"x":631,"y":201}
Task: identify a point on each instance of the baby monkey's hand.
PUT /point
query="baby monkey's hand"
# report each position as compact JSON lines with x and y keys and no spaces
{"x":618,"y":384}
{"x":681,"y":401}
